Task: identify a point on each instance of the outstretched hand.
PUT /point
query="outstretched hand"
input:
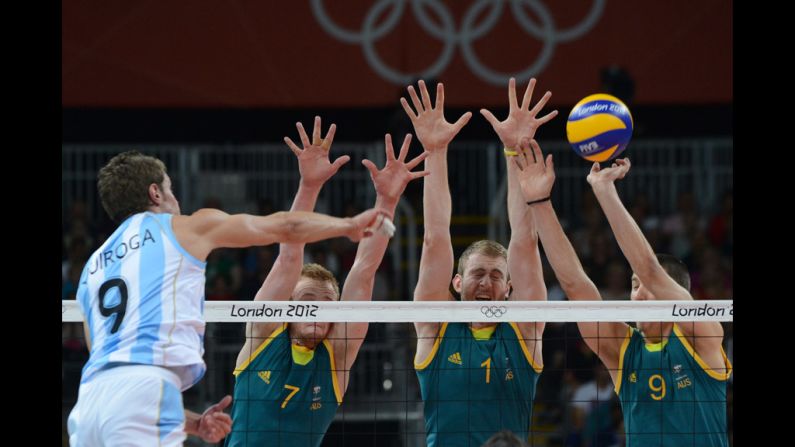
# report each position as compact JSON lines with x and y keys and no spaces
{"x":313,"y":160}
{"x":521,"y":122}
{"x":536,"y":176}
{"x":430,"y":126}
{"x":391,"y":181}
{"x":617,"y":171}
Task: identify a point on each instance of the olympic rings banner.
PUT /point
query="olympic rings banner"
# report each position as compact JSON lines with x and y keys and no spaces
{"x":326,"y":53}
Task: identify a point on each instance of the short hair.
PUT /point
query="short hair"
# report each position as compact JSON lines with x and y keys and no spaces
{"x":320,"y":273}
{"x":675,"y":268}
{"x":485,"y":247}
{"x":124,"y":181}
{"x":504,"y":438}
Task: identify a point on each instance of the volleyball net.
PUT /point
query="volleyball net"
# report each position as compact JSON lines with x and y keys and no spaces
{"x":392,"y":396}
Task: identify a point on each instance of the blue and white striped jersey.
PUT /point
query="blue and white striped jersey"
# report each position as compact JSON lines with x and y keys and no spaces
{"x":142,"y":295}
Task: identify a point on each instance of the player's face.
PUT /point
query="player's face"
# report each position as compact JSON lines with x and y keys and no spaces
{"x":485,"y":279}
{"x":639,"y":291}
{"x":170,"y":203}
{"x":309,"y":289}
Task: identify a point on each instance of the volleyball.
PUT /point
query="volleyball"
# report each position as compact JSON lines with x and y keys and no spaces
{"x":599,"y":127}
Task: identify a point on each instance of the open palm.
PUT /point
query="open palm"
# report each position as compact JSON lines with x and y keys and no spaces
{"x":522,"y":122}
{"x":430,"y":126}
{"x":313,"y":160}
{"x":391,"y":181}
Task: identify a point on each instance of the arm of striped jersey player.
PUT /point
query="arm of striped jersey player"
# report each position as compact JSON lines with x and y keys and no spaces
{"x":212,"y":425}
{"x":208,"y":229}
{"x":87,"y":333}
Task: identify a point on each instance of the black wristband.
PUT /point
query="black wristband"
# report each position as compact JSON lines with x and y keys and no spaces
{"x":533,"y":202}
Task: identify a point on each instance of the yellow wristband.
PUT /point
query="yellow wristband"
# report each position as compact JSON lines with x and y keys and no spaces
{"x":509,"y":152}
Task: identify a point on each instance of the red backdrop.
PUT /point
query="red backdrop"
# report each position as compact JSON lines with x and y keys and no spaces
{"x":253,"y":53}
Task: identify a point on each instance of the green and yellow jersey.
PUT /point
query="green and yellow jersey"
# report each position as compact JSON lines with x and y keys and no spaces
{"x":669,"y":396}
{"x":285,"y":395}
{"x":475,"y":383}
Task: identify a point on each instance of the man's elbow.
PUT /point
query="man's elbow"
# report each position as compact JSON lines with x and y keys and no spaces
{"x":648,"y":269}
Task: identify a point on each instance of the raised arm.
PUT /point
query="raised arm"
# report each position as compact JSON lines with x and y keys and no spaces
{"x":315,"y":168}
{"x":524,"y":260}
{"x":435,"y":134}
{"x":389,"y":182}
{"x":705,"y":336}
{"x":537,"y":178}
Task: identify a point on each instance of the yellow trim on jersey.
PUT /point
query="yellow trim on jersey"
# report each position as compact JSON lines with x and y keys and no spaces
{"x":526,"y":351}
{"x":435,"y":348}
{"x":334,"y":380}
{"x":483,"y":333}
{"x":656,"y":347}
{"x":261,"y":347}
{"x":301,"y":354}
{"x":624,"y":346}
{"x":710,"y":372}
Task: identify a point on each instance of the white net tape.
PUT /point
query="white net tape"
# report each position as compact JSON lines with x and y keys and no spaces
{"x":454,"y":311}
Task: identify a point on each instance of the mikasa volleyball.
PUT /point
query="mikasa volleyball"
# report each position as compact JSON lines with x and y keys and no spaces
{"x":599,"y":127}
